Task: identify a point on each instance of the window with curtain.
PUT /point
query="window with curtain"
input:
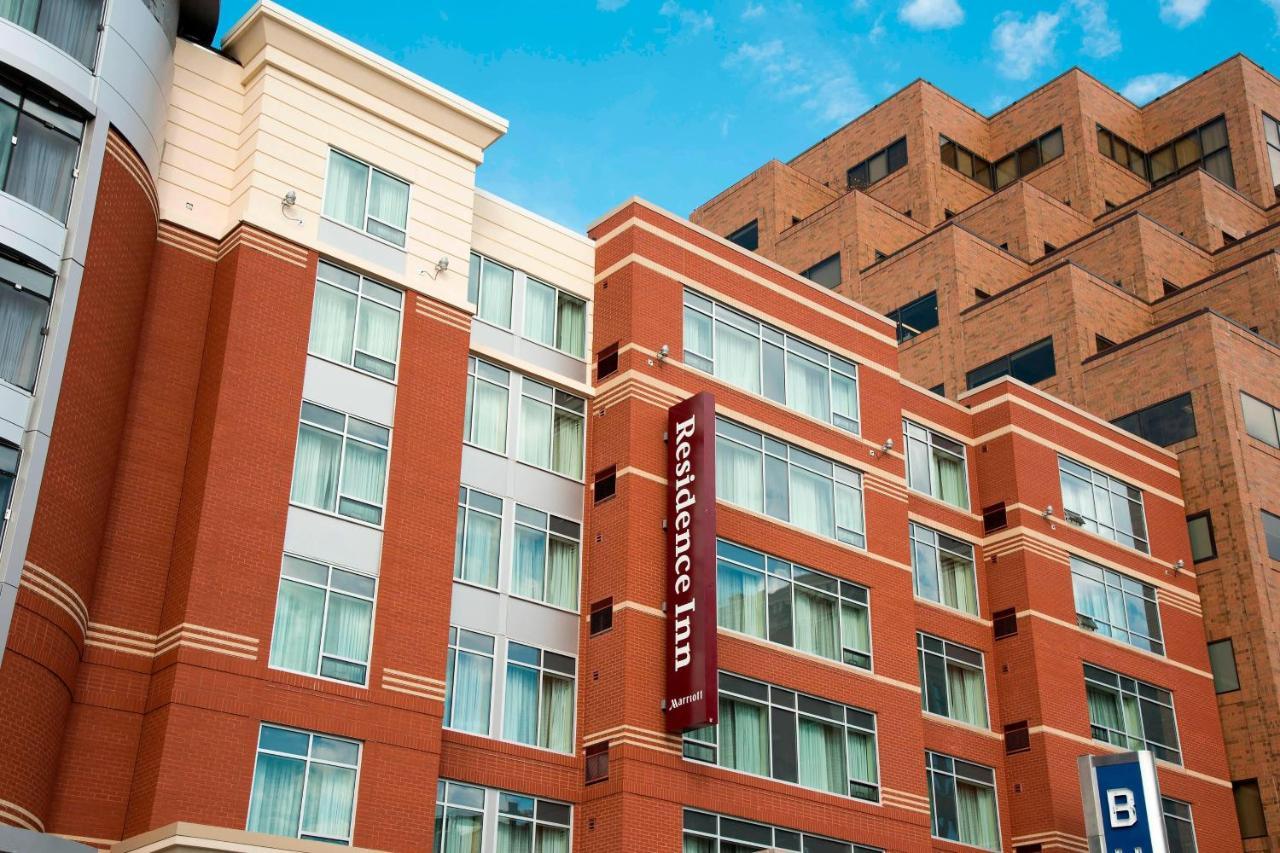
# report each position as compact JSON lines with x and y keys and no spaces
{"x":489,"y":288}
{"x":769,"y":476}
{"x":1131,"y":714}
{"x":341,"y":464}
{"x":25,"y":295}
{"x":9,"y":457}
{"x":538,"y":708}
{"x":355,"y":321}
{"x":943,"y":569}
{"x":952,"y":680}
{"x":70,"y":25}
{"x":554,"y":318}
{"x":707,"y":832}
{"x":468,"y":691}
{"x":1179,"y":829}
{"x":791,"y":605}
{"x":1116,"y":605}
{"x":366,"y":198}
{"x":545,"y":563}
{"x":304,"y":785}
{"x":324,"y":620}
{"x":524,"y":824}
{"x":552,"y":428}
{"x":478,"y":538}
{"x":936,"y":465}
{"x":485,"y":414}
{"x":1102,"y":504}
{"x":792,"y":737}
{"x":39,"y":147}
{"x":962,"y":801}
{"x":763,"y":360}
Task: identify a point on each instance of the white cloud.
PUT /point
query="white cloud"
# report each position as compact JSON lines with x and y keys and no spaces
{"x":1180,"y":13}
{"x":1024,"y":46}
{"x":1274,"y":5}
{"x":877,"y":30}
{"x":693,"y":20}
{"x":1148,"y":86}
{"x":802,"y":69}
{"x":753,"y":10}
{"x":1101,"y":38}
{"x":931,"y":14}
{"x":611,"y":5}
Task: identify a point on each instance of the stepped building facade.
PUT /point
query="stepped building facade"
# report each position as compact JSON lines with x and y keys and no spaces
{"x":338,"y":499}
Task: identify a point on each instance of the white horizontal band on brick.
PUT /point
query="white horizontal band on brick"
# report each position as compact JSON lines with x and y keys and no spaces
{"x":1075,"y":843}
{"x":184,"y":634}
{"x":399,"y":681}
{"x":20,"y":816}
{"x":821,"y":661}
{"x":1106,"y":747}
{"x":57,"y":591}
{"x":1062,"y":623}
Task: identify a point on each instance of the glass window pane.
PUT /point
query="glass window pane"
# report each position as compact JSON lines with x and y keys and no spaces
{"x":330,"y":797}
{"x":295,"y":638}
{"x":315,"y":468}
{"x":23,"y":316}
{"x":345,"y":188}
{"x":1259,"y":420}
{"x":539,"y":312}
{"x":496,"y":282}
{"x":276,"y":802}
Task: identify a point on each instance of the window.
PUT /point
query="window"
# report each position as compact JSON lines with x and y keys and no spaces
{"x":943,"y":569}
{"x":705,"y":832}
{"x":1116,"y":606}
{"x":748,"y":236}
{"x":601,"y":616}
{"x":366,"y":198}
{"x":1261,"y":420}
{"x":552,"y":426}
{"x":524,"y":824}
{"x":994,"y":517}
{"x":606,"y":484}
{"x":791,"y":605}
{"x":769,"y":476}
{"x":1272,"y":133}
{"x":1271,"y":532}
{"x":1126,"y":154}
{"x":760,"y":359}
{"x":70,"y":25}
{"x":1131,"y":714}
{"x":1178,"y":828}
{"x":1206,"y":147}
{"x":468,"y":693}
{"x":25,"y":294}
{"x":355,"y":321}
{"x":324,"y":620}
{"x":597,"y":762}
{"x":965,"y":162}
{"x":935,"y":465}
{"x":489,"y":287}
{"x":9,"y":456}
{"x":1163,"y":423}
{"x":555,"y":318}
{"x":918,"y":315}
{"x":962,"y":801}
{"x":39,"y":146}
{"x":1222,"y":660}
{"x":883,"y":163}
{"x":940,"y":389}
{"x":1017,"y":738}
{"x":952,"y":681}
{"x":1031,"y":364}
{"x":1249,"y":812}
{"x":792,"y":737}
{"x":478,"y":540}
{"x":488,"y":388}
{"x":1200,"y":532}
{"x":1102,"y":505}
{"x":825,"y":272}
{"x":304,"y":785}
{"x":341,"y":464}
{"x":607,"y":361}
{"x":538,"y":705}
{"x":545,"y":564}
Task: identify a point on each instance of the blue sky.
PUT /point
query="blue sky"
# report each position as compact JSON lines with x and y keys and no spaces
{"x":674,"y":100}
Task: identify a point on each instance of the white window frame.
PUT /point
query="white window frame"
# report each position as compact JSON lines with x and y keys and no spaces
{"x":363,"y":228}
{"x":1113,"y":580}
{"x":460,"y":549}
{"x":324,"y":618}
{"x":361,"y":297}
{"x":455,"y":648}
{"x":308,"y":761}
{"x":473,"y":377}
{"x":914,"y":432}
{"x":715,"y":312}
{"x":555,"y":405}
{"x":560,"y":293}
{"x":1104,"y":481}
{"x":491,"y":815}
{"x":783,"y":839}
{"x":548,"y":534}
{"x":915,"y":530}
{"x":342,"y":463}
{"x":476,"y":257}
{"x":1189,"y":820}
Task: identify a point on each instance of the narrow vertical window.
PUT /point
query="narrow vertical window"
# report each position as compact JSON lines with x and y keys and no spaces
{"x":25,"y":295}
{"x":39,"y":147}
{"x":304,"y":785}
{"x":468,"y":692}
{"x":962,"y":801}
{"x":485,"y":415}
{"x":489,"y":288}
{"x":478,"y":540}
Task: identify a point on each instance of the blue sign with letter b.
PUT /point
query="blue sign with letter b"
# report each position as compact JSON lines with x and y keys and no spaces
{"x":1124,"y":809}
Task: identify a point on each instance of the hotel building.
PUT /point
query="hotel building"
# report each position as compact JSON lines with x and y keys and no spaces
{"x":279,"y":375}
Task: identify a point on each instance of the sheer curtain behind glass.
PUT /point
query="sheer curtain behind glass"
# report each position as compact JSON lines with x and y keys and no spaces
{"x":42,"y":167}
{"x":968,"y":701}
{"x":72,"y":25}
{"x":276,"y":802}
{"x":528,"y":570}
{"x":379,"y":336}
{"x":555,"y":730}
{"x":315,"y":470}
{"x":959,"y":586}
{"x":816,"y":629}
{"x":822,"y":758}
{"x":741,"y":601}
{"x":364,"y":476}
{"x":571,"y":325}
{"x":481,"y":548}
{"x":567,"y":440}
{"x":348,"y":630}
{"x":345,"y":187}
{"x":22,"y":317}
{"x":389,"y":205}
{"x":739,"y":476}
{"x":539,"y":312}
{"x":495,"y":294}
{"x":295,"y":639}
{"x":330,"y":797}
{"x":333,"y":322}
{"x":520,"y":708}
{"x":562,"y":573}
{"x":744,"y":737}
{"x":472,"y":692}
{"x":737,"y":357}
{"x":807,"y":389}
{"x":976,"y":810}
{"x":463,"y":832}
{"x":514,"y":836}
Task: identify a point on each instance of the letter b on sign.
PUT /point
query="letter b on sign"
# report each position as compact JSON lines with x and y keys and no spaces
{"x":1120,"y":808}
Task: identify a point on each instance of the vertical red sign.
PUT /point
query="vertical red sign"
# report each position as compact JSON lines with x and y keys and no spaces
{"x":692,"y":696}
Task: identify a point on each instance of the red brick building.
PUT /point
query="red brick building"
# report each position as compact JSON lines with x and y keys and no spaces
{"x":310,"y":378}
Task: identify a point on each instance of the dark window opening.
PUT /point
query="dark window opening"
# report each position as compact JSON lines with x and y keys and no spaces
{"x":1170,"y":287}
{"x":825,"y":272}
{"x":1017,"y":738}
{"x":1229,"y":238}
{"x":879,"y":256}
{"x":1222,"y":660}
{"x":1004,"y":623}
{"x":918,"y":315}
{"x":1049,"y":248}
{"x":1031,"y":364}
{"x":1163,"y":423}
{"x":1271,"y":532}
{"x":606,"y":483}
{"x":940,"y":389}
{"x":748,"y":236}
{"x":981,"y":294}
{"x":883,"y":163}
{"x":607,"y":361}
{"x":948,"y":213}
{"x":1253,"y":821}
{"x":1103,"y":343}
{"x":1110,"y":206}
{"x":601,"y":616}
{"x":1200,"y":532}
{"x":1124,"y":153}
{"x":597,"y":762}
{"x":1207,"y":147}
{"x":994,"y":518}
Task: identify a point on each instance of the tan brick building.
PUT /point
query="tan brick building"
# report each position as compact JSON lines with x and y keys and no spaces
{"x":1122,"y":258}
